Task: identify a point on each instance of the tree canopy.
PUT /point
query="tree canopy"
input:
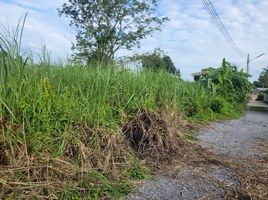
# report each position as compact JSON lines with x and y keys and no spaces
{"x":264,"y":76}
{"x":158,"y":60}
{"x":105,"y":26}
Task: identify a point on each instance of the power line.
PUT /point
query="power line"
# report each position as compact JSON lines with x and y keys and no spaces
{"x":213,"y":19}
{"x":219,"y":24}
{"x":216,"y":20}
{"x":224,"y":28}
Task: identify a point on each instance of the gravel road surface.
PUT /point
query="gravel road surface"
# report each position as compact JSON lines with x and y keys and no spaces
{"x":235,"y":139}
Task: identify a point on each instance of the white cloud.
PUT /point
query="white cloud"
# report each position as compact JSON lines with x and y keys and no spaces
{"x":194,"y":42}
{"x":190,"y":38}
{"x":40,"y":4}
{"x":43,"y":26}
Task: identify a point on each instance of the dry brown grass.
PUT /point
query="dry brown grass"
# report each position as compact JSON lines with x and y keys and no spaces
{"x":151,"y":137}
{"x":251,"y":179}
{"x":155,"y":138}
{"x":26,"y":175}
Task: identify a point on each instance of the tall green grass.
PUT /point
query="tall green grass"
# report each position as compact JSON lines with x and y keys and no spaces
{"x":49,"y":98}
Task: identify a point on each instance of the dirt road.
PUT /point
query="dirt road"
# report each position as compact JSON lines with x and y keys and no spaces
{"x":239,"y":169}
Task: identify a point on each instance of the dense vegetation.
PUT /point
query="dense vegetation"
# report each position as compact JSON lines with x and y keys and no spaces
{"x":262,"y":83}
{"x":263,"y":79}
{"x":264,"y":76}
{"x":72,"y":131}
{"x":227,"y":82}
{"x":157,"y":60}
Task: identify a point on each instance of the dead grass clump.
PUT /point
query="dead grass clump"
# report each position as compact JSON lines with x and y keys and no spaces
{"x":88,"y":167}
{"x":36,"y":178}
{"x":98,"y":149}
{"x":250,"y":175}
{"x":253,"y":175}
{"x":151,"y":137}
{"x":253,"y":184}
{"x":235,"y":194}
{"x":90,"y":163}
{"x":3,"y":121}
{"x":3,"y":154}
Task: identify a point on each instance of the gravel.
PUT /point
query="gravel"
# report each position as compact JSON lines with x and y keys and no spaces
{"x":235,"y":138}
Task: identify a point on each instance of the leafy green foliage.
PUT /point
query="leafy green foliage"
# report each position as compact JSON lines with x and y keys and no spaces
{"x":105,"y":26}
{"x":227,"y":82}
{"x":263,"y":79}
{"x":170,"y":67}
{"x":219,"y":105}
{"x":157,"y":60}
{"x":260,"y":97}
{"x":259,"y":84}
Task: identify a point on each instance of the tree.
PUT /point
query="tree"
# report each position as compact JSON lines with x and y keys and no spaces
{"x":170,"y":67}
{"x":263,"y":79}
{"x":158,"y":60}
{"x":105,"y":26}
{"x":260,"y":84}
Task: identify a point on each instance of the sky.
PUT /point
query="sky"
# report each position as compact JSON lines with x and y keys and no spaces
{"x":190,"y":38}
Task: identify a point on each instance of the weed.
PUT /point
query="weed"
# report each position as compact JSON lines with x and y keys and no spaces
{"x":79,"y":132}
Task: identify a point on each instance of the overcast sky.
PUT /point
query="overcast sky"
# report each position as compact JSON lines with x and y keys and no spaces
{"x":190,"y":38}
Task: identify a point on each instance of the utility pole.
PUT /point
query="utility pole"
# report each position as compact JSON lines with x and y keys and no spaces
{"x":248,"y":65}
{"x":248,"y":61}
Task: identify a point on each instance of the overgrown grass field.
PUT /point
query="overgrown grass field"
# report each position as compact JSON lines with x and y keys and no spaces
{"x":75,"y":132}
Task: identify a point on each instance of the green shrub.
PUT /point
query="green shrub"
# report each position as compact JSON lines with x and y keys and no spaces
{"x":260,"y":97}
{"x":227,"y":82}
{"x":219,"y":105}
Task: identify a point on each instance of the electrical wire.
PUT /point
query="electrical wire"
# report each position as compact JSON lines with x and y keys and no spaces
{"x":219,"y":24}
